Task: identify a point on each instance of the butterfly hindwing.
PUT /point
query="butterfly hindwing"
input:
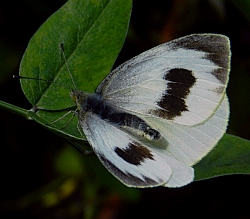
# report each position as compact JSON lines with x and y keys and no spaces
{"x":133,"y":161}
{"x":189,"y":144}
{"x":183,"y":81}
{"x":146,"y":163}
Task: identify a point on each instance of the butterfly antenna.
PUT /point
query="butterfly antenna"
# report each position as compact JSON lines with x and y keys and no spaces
{"x":40,"y":79}
{"x":62,"y":48}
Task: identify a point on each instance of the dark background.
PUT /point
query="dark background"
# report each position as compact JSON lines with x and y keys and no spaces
{"x":43,"y":177}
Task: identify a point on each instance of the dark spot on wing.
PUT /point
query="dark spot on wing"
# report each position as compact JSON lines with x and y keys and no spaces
{"x":216,"y":48}
{"x":134,"y":154}
{"x":128,"y":178}
{"x":219,"y":90}
{"x":173,"y":101}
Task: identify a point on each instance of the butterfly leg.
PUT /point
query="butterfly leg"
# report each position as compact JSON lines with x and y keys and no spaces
{"x":79,"y":129}
{"x":73,"y":115}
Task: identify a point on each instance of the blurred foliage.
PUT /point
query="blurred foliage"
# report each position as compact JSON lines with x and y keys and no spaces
{"x":44,"y":177}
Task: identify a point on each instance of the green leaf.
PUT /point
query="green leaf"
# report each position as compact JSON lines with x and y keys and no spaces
{"x":230,"y":156}
{"x":92,"y":33}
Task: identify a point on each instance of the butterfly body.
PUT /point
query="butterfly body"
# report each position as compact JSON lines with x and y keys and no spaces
{"x":94,"y":103}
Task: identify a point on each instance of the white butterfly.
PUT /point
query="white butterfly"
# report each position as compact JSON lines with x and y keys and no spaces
{"x":155,"y":116}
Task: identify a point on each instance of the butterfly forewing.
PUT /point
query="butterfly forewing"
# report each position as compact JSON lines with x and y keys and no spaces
{"x":183,"y":81}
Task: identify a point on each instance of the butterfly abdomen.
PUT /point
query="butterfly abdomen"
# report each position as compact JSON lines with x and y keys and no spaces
{"x":131,"y":123}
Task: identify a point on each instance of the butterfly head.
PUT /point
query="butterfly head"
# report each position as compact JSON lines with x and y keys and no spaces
{"x":79,"y":97}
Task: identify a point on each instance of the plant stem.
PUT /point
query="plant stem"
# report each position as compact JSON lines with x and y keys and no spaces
{"x":14,"y":109}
